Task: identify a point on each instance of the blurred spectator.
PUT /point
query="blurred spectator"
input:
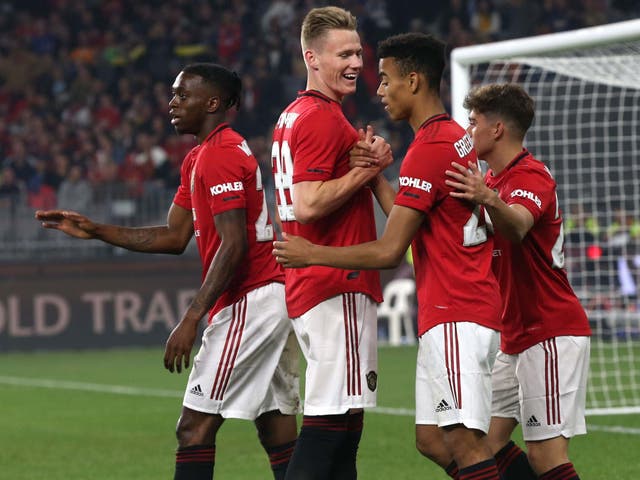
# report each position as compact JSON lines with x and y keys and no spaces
{"x":280,"y":11}
{"x":146,"y":165}
{"x":557,"y":16}
{"x":10,"y":191}
{"x":520,"y":18}
{"x":21,"y":162}
{"x":229,"y":39}
{"x":75,"y":191}
{"x":486,"y":21}
{"x":453,"y":9}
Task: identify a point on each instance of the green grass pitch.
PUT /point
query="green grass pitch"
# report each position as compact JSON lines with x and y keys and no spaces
{"x":111,"y":415}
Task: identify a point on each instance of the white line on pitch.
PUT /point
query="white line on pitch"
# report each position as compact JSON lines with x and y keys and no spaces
{"x":89,"y":387}
{"x":613,"y":429}
{"x":155,"y":392}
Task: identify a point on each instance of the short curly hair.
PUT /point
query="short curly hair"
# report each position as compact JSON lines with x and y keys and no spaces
{"x":508,"y":101}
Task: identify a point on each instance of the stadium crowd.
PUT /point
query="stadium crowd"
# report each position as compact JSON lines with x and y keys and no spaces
{"x":84,"y":86}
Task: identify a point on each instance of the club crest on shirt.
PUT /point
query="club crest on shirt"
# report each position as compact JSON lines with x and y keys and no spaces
{"x":372,"y":380}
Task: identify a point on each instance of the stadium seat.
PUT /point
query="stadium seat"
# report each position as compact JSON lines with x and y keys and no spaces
{"x":397,"y":308}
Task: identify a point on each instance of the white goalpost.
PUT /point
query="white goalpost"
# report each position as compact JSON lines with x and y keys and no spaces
{"x":586,"y":84}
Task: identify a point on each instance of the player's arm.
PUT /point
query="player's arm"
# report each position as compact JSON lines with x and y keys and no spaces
{"x":315,"y":199}
{"x":386,"y":252}
{"x":363,"y":155}
{"x":384,"y":193}
{"x":170,"y":238}
{"x":512,"y":221}
{"x":231,"y":227}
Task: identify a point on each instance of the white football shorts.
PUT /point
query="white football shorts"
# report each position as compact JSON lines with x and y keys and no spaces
{"x":453,"y":375}
{"x":338,"y":338}
{"x":248,"y":362}
{"x":544,"y":387}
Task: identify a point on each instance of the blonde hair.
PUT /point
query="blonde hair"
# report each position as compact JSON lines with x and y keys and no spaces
{"x":320,"y":20}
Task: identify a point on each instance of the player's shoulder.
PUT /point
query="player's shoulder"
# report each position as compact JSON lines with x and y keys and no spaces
{"x":227,"y":144}
{"x":444,"y":138}
{"x":531,"y":166}
{"x":315,"y":107}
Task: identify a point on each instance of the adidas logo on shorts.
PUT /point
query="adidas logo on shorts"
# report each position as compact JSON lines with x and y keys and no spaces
{"x":197,"y":391}
{"x":533,"y":421}
{"x":443,"y":406}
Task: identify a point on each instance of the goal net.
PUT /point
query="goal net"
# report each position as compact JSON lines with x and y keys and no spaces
{"x":586,"y":84}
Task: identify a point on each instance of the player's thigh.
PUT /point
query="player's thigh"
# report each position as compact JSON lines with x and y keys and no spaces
{"x":553,"y":381}
{"x":338,"y":338}
{"x":240,"y":353}
{"x":453,"y":375}
{"x":505,"y":401}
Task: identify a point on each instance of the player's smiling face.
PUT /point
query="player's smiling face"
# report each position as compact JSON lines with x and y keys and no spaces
{"x":189,"y":105}
{"x":394,"y":89}
{"x":335,"y":61}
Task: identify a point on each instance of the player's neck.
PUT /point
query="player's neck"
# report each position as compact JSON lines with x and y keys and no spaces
{"x":210,"y":124}
{"x":425,"y":108}
{"x":502,"y":155}
{"x":314,"y":84}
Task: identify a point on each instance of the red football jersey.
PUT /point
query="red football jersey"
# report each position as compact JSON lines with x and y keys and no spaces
{"x":451,"y":250}
{"x":539,"y":302}
{"x":311,"y":142}
{"x":218,"y":175}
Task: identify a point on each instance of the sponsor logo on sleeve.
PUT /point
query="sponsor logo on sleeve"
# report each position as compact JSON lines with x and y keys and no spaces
{"x":527,"y":194}
{"x":413,"y":182}
{"x":226,"y":187}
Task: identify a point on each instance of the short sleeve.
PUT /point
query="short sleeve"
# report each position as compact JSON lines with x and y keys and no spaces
{"x":421,"y":180}
{"x":182,"y":198}
{"x":534,"y":189}
{"x":225,"y":177}
{"x":320,"y":140}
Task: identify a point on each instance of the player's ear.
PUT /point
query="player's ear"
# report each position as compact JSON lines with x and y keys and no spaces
{"x":498,"y":129}
{"x":311,"y":59}
{"x":414,"y":82}
{"x":213,"y":104}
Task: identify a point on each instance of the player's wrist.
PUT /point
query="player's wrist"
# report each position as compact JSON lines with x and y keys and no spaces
{"x":375,"y":181}
{"x":315,"y":255}
{"x":492,"y":199}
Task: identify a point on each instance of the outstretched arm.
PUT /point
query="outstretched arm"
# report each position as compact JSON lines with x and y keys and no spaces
{"x":512,"y":221}
{"x":170,"y":238}
{"x":386,"y":252}
{"x":231,"y":226}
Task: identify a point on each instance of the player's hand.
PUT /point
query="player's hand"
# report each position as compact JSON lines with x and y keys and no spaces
{"x":294,"y":252}
{"x":361,"y":154}
{"x":370,"y":151}
{"x":177,"y":351}
{"x":67,"y":221}
{"x":468,"y":183}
